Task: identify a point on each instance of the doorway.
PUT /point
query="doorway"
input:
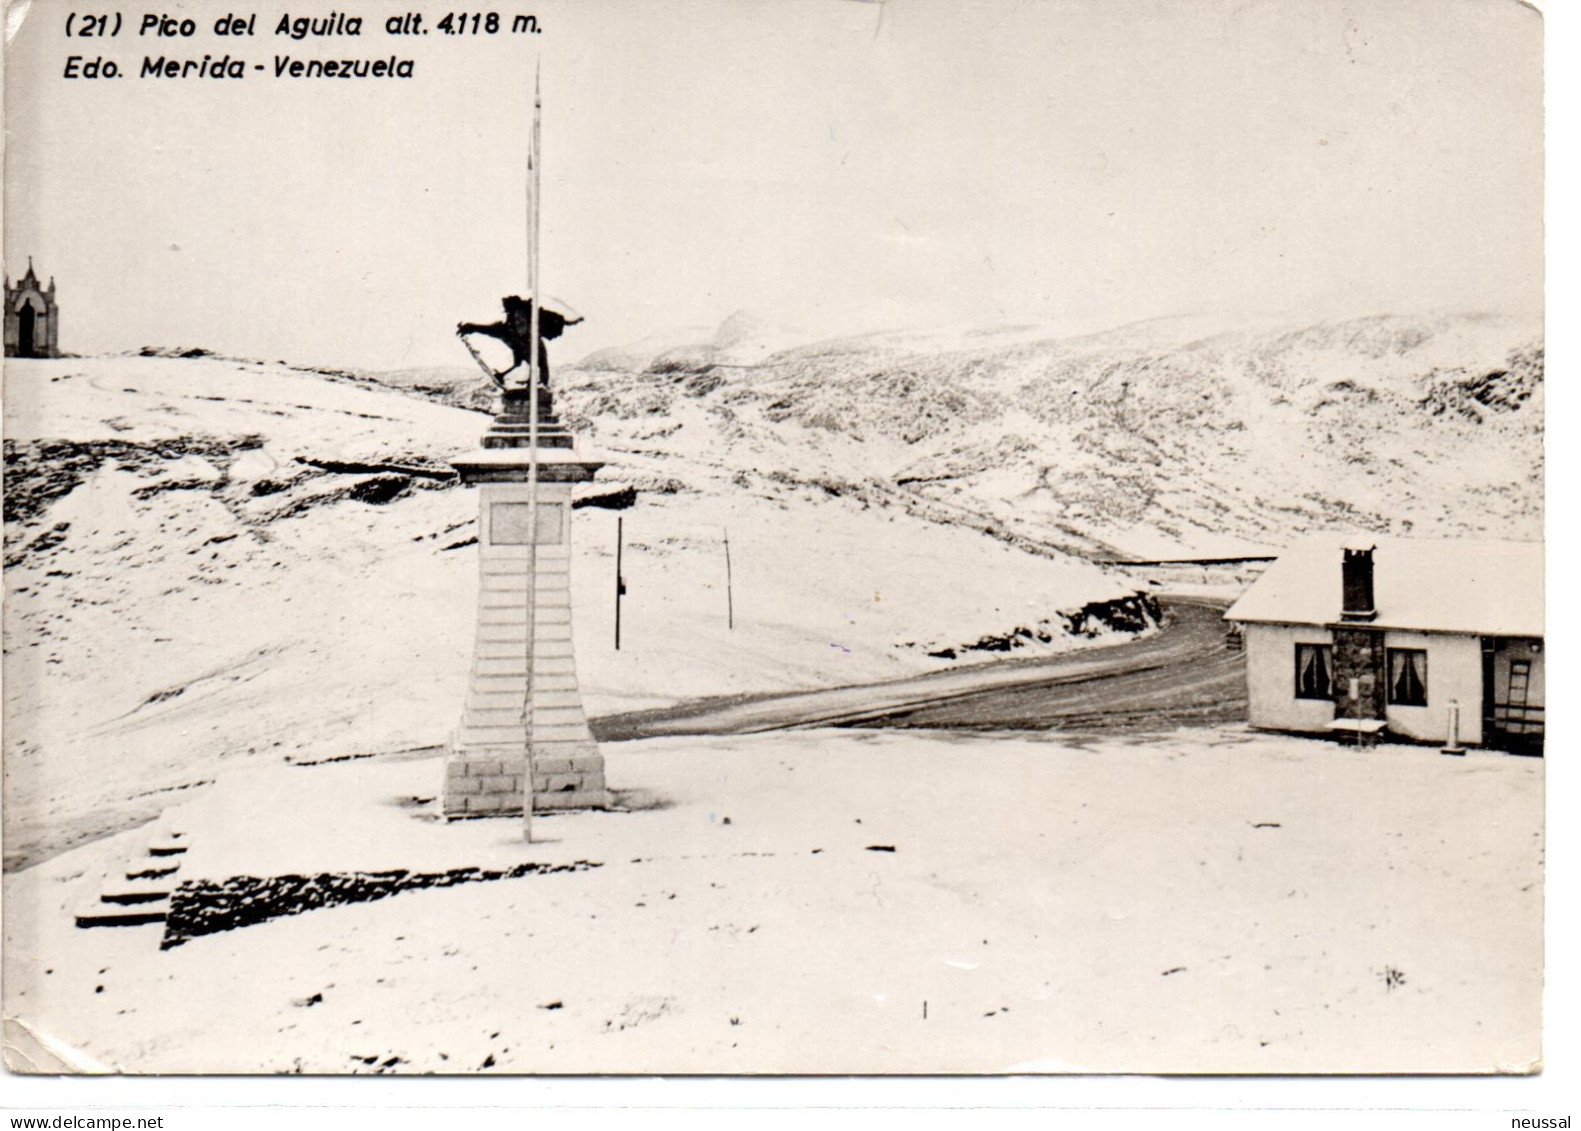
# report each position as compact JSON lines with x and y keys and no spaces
{"x":24,"y":331}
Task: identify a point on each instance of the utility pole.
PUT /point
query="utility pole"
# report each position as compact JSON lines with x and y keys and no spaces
{"x":730,"y":595}
{"x":534,"y":344}
{"x":620,"y":578}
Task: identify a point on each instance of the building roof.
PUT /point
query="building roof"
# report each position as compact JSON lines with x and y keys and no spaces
{"x":1476,"y":588}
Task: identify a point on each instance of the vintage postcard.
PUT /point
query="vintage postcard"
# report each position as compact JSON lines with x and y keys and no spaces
{"x":720,"y":537}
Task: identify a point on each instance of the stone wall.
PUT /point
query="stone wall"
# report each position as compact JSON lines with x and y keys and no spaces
{"x":206,"y":907}
{"x":1358,"y":654}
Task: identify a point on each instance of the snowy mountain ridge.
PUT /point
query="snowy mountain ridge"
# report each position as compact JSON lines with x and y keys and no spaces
{"x":1172,"y":436}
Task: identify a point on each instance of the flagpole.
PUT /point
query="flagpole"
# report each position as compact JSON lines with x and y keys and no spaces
{"x":534,"y":183}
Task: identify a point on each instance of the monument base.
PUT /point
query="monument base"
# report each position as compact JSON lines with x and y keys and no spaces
{"x":477,"y":785}
{"x":523,"y":694}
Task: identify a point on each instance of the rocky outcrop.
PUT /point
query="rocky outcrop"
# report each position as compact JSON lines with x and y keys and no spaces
{"x":207,"y":907}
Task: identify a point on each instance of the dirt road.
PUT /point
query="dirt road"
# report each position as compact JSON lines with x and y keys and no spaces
{"x":1179,"y":676}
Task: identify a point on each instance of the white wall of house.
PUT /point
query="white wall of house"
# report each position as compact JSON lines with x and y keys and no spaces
{"x":1271,"y":678}
{"x":1454,"y":672}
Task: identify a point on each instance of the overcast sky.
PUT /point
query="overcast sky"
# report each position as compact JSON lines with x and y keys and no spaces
{"x":833,"y":164}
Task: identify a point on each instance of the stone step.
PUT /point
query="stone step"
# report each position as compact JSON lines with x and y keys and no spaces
{"x":127,"y":896}
{"x":138,"y":892}
{"x":114,"y":915}
{"x":152,"y":871}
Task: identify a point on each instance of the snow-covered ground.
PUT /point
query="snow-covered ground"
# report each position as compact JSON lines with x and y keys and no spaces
{"x":213,"y":560}
{"x":1205,"y":900}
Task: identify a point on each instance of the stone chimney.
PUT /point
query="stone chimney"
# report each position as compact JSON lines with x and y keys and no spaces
{"x":1356,"y":576}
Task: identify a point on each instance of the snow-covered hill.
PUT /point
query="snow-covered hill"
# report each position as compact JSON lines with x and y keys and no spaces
{"x":211,"y":560}
{"x":1174,"y":437}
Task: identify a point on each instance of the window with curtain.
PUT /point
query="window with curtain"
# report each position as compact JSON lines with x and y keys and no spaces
{"x":1314,"y":671}
{"x":1407,"y":677}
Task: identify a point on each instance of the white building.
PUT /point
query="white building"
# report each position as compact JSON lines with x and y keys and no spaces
{"x":32,"y":317}
{"x":1387,"y":636}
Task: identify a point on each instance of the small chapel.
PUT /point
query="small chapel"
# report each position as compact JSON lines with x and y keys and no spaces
{"x":32,"y":319}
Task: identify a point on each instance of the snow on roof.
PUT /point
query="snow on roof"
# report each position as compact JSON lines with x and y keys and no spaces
{"x":1480,"y":588}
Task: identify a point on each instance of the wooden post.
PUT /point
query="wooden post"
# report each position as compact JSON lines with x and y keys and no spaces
{"x":730,"y":596}
{"x":620,"y":580}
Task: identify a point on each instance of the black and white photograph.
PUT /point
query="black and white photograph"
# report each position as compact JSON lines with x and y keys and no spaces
{"x":723,"y":538}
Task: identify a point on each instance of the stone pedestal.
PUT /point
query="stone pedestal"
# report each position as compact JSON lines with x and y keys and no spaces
{"x":523,"y":707}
